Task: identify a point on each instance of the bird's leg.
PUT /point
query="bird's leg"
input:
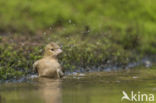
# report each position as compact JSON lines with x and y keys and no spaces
{"x":59,"y":73}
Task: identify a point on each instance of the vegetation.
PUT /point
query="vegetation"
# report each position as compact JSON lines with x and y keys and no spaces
{"x":92,"y":33}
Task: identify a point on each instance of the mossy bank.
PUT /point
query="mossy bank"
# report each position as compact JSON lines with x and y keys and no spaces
{"x":92,"y":34}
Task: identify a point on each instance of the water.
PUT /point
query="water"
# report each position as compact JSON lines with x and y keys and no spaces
{"x":99,"y":87}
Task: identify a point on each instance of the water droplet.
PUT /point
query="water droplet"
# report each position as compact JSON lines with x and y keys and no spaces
{"x":69,"y":21}
{"x":134,"y":77}
{"x":50,"y":28}
{"x":44,"y":33}
{"x":148,"y":63}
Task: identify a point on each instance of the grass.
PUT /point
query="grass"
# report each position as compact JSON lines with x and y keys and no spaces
{"x":93,"y":33}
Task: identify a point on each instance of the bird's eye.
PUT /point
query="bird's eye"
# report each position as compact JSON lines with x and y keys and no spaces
{"x":52,"y":49}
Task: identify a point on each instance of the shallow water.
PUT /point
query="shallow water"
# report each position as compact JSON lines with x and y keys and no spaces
{"x":100,"y":87}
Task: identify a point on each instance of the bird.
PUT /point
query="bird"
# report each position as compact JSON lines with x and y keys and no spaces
{"x":48,"y":65}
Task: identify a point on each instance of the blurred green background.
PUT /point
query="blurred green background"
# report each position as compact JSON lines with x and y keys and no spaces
{"x":92,"y":33}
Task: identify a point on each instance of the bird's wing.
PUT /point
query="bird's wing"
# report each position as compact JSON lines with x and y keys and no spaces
{"x":35,"y":66}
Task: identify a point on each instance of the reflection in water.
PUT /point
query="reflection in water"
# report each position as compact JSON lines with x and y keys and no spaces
{"x":103,"y":87}
{"x":50,"y":90}
{"x":2,"y":99}
{"x":41,"y":90}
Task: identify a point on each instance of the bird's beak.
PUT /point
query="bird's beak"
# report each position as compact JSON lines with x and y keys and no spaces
{"x":59,"y":51}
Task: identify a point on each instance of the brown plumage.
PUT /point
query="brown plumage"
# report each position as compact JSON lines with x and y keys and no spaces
{"x":48,"y":66}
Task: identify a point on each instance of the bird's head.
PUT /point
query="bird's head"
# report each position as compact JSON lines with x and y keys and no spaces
{"x":52,"y":50}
